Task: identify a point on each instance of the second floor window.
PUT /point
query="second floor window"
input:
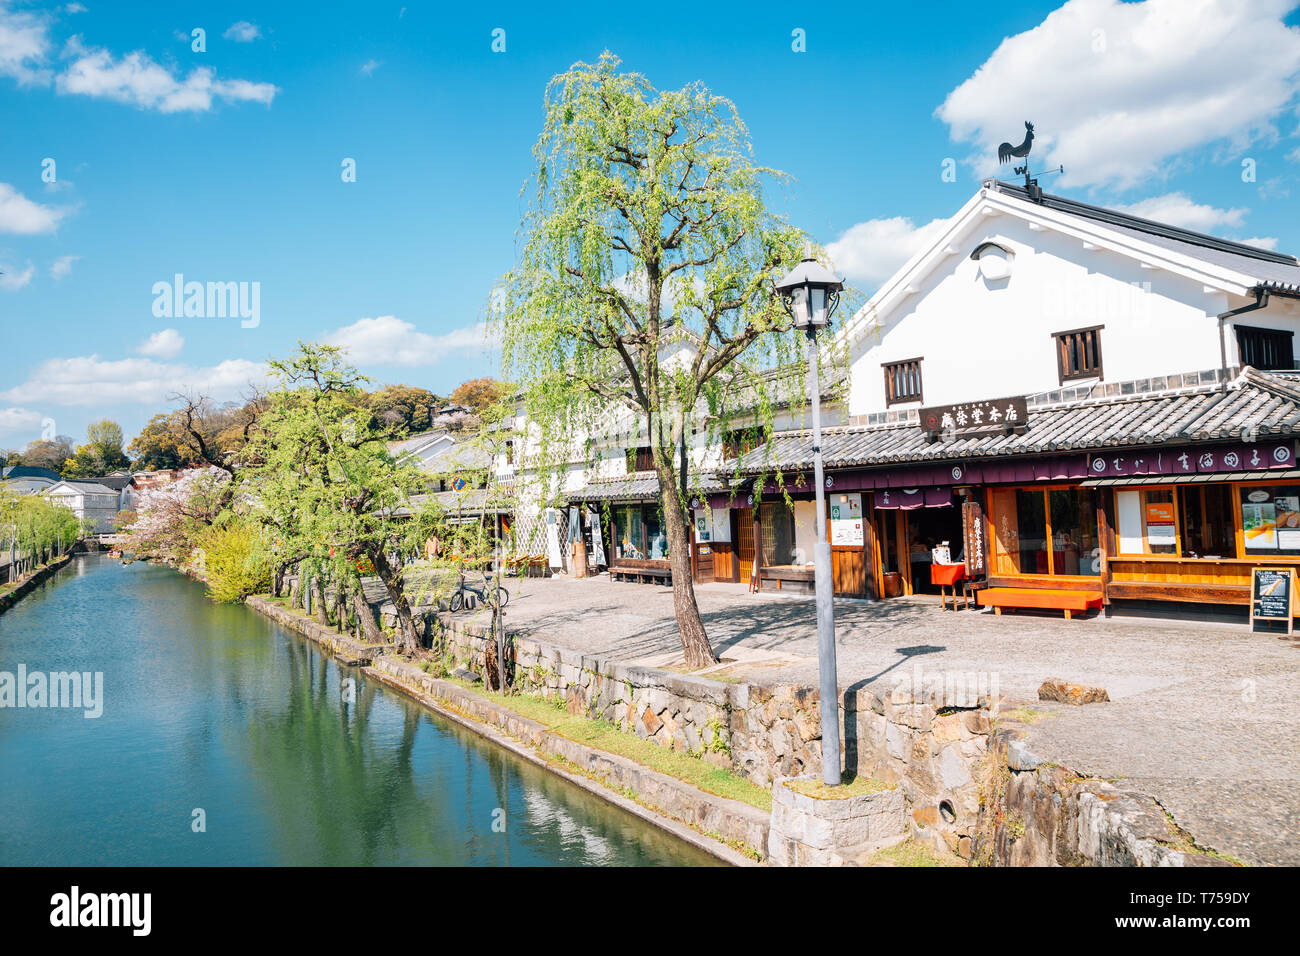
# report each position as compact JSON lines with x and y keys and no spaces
{"x":902,"y":381}
{"x":638,"y":459}
{"x":1265,"y":349}
{"x":1078,"y":353}
{"x":738,"y":441}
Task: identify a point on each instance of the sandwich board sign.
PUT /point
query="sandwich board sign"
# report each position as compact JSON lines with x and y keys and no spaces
{"x":1272,"y":596}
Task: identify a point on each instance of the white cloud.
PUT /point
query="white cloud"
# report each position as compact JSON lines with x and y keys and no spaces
{"x":74,"y":8}
{"x":388,"y":340}
{"x":24,"y":45}
{"x":90,"y":380}
{"x":1120,"y":90}
{"x":1177,"y":209}
{"x":14,"y":421}
{"x":62,"y":266}
{"x":870,"y":252}
{"x":243,"y":32}
{"x":20,"y":215}
{"x":13,"y":278}
{"x":370,"y":66}
{"x":1262,"y":242}
{"x":165,"y":344}
{"x":137,"y":80}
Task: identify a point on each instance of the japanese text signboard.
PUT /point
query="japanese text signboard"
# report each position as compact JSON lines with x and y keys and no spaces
{"x":1188,"y":461}
{"x":970,"y":418}
{"x":1271,"y":592}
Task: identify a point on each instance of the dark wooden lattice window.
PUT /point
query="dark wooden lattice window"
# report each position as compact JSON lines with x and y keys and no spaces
{"x":902,"y":381}
{"x":1078,"y":353}
{"x":1265,"y":349}
{"x":638,"y":459}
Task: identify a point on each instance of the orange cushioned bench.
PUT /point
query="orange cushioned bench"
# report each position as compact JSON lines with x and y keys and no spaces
{"x":1061,"y":600}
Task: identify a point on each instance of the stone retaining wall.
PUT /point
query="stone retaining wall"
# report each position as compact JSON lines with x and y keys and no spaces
{"x":764,"y":732}
{"x":1042,"y":814}
{"x":18,"y":593}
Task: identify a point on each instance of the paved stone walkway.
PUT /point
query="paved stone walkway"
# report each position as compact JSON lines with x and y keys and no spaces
{"x":1204,"y":715}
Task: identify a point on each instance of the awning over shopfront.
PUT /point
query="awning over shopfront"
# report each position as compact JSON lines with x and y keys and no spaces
{"x":906,"y":499}
{"x":1281,"y":474}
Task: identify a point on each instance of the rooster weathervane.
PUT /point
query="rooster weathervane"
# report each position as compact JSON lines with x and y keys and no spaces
{"x":1007,"y":152}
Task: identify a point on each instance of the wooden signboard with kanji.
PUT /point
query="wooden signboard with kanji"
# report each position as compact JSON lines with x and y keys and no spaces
{"x":974,"y":545}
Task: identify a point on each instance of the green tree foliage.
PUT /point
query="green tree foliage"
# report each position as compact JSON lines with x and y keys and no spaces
{"x":159,"y":446}
{"x":402,"y":410}
{"x":646,"y":276}
{"x":327,"y":490}
{"x":47,"y":454}
{"x":35,"y":528}
{"x":101,"y":453}
{"x":478,"y":394}
{"x":197,"y":432}
{"x":236,"y":560}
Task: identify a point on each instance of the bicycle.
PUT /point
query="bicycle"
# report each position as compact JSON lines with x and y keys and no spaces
{"x":458,"y":596}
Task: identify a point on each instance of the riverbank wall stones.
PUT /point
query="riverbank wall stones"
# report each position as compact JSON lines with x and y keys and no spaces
{"x":32,"y":583}
{"x":1042,"y":814}
{"x":808,"y":830}
{"x":729,"y":821}
{"x":933,"y":754}
{"x":347,"y":650}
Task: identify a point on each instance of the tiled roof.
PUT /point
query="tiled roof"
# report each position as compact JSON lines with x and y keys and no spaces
{"x":638,"y":487}
{"x":1255,"y":404}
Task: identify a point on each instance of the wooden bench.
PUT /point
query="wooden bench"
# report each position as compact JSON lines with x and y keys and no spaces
{"x":800,"y":579}
{"x":1068,"y":601}
{"x":640,"y":575}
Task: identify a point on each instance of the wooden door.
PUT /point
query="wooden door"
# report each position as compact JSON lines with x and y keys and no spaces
{"x":745,"y":542}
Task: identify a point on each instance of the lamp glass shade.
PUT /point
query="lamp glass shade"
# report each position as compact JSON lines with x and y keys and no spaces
{"x":817,"y":311}
{"x":799,"y":306}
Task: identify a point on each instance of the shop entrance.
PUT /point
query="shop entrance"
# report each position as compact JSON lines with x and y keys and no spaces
{"x":927,"y":528}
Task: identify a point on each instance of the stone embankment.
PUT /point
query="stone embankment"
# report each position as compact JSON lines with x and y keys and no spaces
{"x":1041,"y":814}
{"x":10,"y":598}
{"x":966,"y":781}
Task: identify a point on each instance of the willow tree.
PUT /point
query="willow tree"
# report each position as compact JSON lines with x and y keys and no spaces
{"x":326,"y":487}
{"x":644,"y":283}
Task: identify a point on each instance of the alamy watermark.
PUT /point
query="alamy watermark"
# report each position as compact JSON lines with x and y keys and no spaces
{"x":80,"y":690}
{"x":945,"y":689}
{"x":208,"y":300}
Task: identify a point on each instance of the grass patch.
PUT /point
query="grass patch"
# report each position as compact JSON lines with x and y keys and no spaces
{"x":858,"y":786}
{"x":911,"y":853}
{"x":605,"y":736}
{"x":1024,"y":715}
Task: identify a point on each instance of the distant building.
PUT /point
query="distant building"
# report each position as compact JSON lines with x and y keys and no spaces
{"x":89,"y":501}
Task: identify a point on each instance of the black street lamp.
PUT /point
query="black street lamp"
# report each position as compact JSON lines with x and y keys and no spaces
{"x":811,"y":294}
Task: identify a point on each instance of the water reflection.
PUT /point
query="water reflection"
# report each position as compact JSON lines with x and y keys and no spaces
{"x":213,"y":708}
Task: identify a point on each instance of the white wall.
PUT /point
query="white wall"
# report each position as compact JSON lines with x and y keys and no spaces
{"x":986,"y":339}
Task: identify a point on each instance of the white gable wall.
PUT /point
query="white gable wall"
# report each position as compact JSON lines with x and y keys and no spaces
{"x":986,"y":339}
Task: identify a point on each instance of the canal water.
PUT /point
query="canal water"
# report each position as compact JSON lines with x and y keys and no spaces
{"x":212,"y":714}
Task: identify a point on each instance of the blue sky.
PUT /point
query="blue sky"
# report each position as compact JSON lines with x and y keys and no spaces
{"x":224,"y":165}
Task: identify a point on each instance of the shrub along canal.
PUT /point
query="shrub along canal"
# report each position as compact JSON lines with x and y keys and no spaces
{"x":213,"y":712}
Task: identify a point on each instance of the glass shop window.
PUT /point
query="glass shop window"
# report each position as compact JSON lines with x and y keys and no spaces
{"x":1076,"y":546}
{"x":627,"y":526}
{"x":1145,"y":521}
{"x":1031,"y":523}
{"x":1045,"y":531}
{"x":656,"y":536}
{"x":1270,"y":519}
{"x":1207,"y":522}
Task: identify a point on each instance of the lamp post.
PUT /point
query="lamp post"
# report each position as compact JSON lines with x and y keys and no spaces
{"x":811,"y":294}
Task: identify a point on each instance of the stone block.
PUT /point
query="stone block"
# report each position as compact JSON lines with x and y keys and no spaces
{"x":808,"y":831}
{"x":1066,"y":693}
